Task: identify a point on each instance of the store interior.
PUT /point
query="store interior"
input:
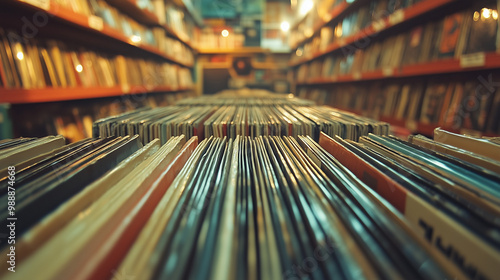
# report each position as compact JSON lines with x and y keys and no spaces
{"x":239,"y":139}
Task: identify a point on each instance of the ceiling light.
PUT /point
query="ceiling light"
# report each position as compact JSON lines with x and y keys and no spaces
{"x":285,"y":26}
{"x":306,"y":6}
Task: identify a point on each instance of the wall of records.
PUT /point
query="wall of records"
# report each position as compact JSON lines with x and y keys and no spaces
{"x":250,"y":185}
{"x":434,"y":62}
{"x":93,"y":56}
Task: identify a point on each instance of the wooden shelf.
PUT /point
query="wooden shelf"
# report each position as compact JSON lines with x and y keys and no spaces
{"x":332,"y":16}
{"x":187,"y":5}
{"x":442,"y":66}
{"x":179,"y":37}
{"x":95,"y":25}
{"x":20,"y":96}
{"x":131,"y":8}
{"x":417,"y":10}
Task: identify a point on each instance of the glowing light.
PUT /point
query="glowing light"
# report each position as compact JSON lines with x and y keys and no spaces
{"x":338,"y":31}
{"x":476,"y":16}
{"x":79,"y":68}
{"x":20,"y":55}
{"x":285,"y":26}
{"x":485,"y":13}
{"x":225,"y":33}
{"x":306,"y":6}
{"x":494,"y":14}
{"x":298,"y":52}
{"x":135,"y":38}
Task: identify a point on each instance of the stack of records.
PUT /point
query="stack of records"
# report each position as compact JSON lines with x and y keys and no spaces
{"x":226,"y":116}
{"x":261,"y":209}
{"x":247,"y":189}
{"x":255,"y":99}
{"x":452,"y":203}
{"x":48,"y":173}
{"x":246,"y":208}
{"x":267,"y":207}
{"x":81,"y":205}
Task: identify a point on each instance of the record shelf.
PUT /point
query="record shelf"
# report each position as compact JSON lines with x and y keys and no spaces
{"x":131,"y":8}
{"x":367,"y":43}
{"x":147,"y":17}
{"x":416,"y":11}
{"x":102,"y":33}
{"x":482,"y":61}
{"x":20,"y":96}
{"x":94,"y":26}
{"x":331,"y":16}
